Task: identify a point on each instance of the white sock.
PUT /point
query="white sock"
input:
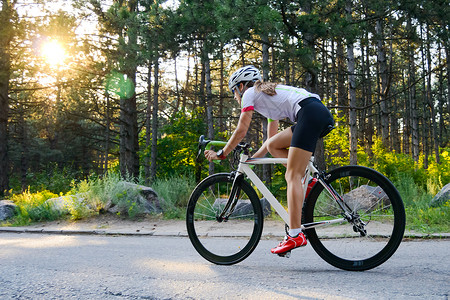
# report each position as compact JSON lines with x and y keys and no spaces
{"x":294,"y":232}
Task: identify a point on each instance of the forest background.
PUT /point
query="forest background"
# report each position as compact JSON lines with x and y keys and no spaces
{"x":125,"y":88}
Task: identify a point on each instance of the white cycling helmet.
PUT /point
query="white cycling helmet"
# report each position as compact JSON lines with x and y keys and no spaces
{"x":244,"y":74}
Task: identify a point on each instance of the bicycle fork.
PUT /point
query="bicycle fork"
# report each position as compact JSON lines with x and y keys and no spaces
{"x":233,"y":199}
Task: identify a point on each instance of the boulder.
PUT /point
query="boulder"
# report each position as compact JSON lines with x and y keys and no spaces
{"x":147,"y":201}
{"x":442,"y":197}
{"x":243,"y":207}
{"x":366,"y":198}
{"x":7,"y":209}
{"x":64,"y":203}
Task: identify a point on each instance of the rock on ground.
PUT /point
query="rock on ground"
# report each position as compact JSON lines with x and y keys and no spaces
{"x":442,"y":197}
{"x":243,"y":207}
{"x":366,"y":198}
{"x":147,"y":199}
{"x":7,"y":209}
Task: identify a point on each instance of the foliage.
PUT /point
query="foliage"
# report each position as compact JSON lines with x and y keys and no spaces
{"x":174,"y":193}
{"x":438,"y":174}
{"x":278,"y":184}
{"x":52,"y":178}
{"x":177,"y":148}
{"x":337,"y":144}
{"x":34,"y":207}
{"x":419,"y":215}
{"x":77,"y":207}
{"x":429,"y":219}
{"x":395,"y":165}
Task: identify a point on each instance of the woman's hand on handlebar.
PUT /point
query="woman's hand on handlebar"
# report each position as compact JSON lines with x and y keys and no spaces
{"x":211,"y":155}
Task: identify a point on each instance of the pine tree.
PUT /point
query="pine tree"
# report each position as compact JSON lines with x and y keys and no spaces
{"x":7,"y":16}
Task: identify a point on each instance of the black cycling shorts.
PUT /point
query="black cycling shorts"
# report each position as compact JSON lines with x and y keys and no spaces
{"x":313,"y":121}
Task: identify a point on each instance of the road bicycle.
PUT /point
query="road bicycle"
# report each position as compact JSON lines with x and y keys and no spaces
{"x":352,"y":216}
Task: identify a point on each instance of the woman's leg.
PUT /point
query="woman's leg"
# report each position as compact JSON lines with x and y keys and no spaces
{"x":297,"y":162}
{"x":278,"y":144}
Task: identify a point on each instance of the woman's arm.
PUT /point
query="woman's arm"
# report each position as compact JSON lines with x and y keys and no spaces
{"x":272,"y":129}
{"x":240,"y":132}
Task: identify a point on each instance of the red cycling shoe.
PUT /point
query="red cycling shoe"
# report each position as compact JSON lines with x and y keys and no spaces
{"x":290,"y":243}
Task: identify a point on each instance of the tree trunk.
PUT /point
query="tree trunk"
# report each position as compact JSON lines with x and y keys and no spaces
{"x":209,"y":107}
{"x":352,"y":92}
{"x":6,"y":33}
{"x":311,"y":82}
{"x":221,"y":91}
{"x":177,"y":90}
{"x":341,"y":90}
{"x":155,"y":110}
{"x":447,"y":55}
{"x":406,"y":119}
{"x":333,"y":74}
{"x":426,"y":117}
{"x":441,"y":104}
{"x":24,"y":147}
{"x":366,"y":114}
{"x":412,"y":96}
{"x":129,"y":143}
{"x":129,"y":163}
{"x":394,"y":130}
{"x":186,"y":85}
{"x":433,"y":125}
{"x":107,"y":133}
{"x":267,"y":169}
{"x":342,"y":95}
{"x":383,"y":73}
{"x":148,"y":126}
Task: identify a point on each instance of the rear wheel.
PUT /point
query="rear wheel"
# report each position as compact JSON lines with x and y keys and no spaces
{"x":242,"y":229}
{"x":378,"y":216}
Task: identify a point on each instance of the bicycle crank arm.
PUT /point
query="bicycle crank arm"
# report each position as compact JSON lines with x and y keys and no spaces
{"x":322,"y":223}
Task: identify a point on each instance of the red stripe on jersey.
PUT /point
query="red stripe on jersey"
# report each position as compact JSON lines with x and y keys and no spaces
{"x":248,"y":108}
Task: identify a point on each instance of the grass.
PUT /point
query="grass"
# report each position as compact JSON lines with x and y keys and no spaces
{"x":89,"y":198}
{"x":92,"y":197}
{"x":175,"y":193}
{"x":33,"y":207}
{"x":419,"y":215}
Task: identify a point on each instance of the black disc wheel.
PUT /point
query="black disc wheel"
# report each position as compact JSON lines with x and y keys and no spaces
{"x":231,"y":238}
{"x":372,"y":230}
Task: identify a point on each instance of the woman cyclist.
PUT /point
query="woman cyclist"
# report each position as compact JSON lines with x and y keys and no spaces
{"x":297,"y":143}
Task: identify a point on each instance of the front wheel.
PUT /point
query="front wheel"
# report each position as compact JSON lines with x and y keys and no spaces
{"x":378,"y":222}
{"x":224,"y":241}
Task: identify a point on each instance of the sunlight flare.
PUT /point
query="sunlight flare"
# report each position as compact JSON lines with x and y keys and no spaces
{"x":54,"y":53}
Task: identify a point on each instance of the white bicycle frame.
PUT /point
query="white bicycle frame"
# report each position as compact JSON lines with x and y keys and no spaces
{"x":244,"y":168}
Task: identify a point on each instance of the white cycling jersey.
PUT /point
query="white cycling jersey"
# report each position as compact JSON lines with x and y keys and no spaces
{"x":277,"y":107}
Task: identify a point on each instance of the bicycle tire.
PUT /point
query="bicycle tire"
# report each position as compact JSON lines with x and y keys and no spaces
{"x":242,"y":230}
{"x":377,"y":202}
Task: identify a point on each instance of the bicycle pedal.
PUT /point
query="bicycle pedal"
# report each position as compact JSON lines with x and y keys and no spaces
{"x":285,"y":254}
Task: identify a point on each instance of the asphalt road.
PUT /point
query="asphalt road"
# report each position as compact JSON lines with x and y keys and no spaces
{"x":36,"y":266}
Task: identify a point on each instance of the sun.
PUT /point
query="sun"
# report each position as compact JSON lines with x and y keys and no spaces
{"x":54,"y":53}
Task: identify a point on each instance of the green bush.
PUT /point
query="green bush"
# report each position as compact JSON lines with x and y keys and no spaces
{"x":53,"y":179}
{"x":33,"y":207}
{"x":78,"y":207}
{"x":428,"y":219}
{"x":174,"y":193}
{"x":419,"y":215}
